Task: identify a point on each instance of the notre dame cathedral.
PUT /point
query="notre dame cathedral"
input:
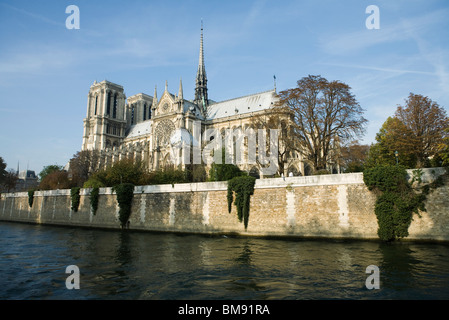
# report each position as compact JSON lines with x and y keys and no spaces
{"x":144,"y":127}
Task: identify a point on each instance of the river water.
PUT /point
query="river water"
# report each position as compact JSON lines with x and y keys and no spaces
{"x":156,"y":266}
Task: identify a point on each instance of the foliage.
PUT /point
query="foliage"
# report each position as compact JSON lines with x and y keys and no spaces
{"x":444,"y":149}
{"x":30,"y":198}
{"x":128,"y":171}
{"x":243,"y":186}
{"x":321,"y":172}
{"x":75,"y":197}
{"x":94,"y":182}
{"x":276,"y":118}
{"x":224,"y":171}
{"x":125,"y":194}
{"x":196,"y":173}
{"x":55,"y":180}
{"x":93,"y":197}
{"x":123,"y":171}
{"x":393,"y":136}
{"x":386,"y":178}
{"x":426,"y":122}
{"x":2,"y":170}
{"x":325,"y":114}
{"x":396,"y":200}
{"x":417,"y":176}
{"x":48,"y":170}
{"x":167,"y":176}
{"x":353,"y":157}
{"x":10,"y":180}
{"x":83,"y":165}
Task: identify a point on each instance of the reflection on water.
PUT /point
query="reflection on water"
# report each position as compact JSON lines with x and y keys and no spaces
{"x":132,"y":265}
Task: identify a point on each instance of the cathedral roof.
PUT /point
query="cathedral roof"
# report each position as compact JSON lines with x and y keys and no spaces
{"x":247,"y":104}
{"x":139,"y":129}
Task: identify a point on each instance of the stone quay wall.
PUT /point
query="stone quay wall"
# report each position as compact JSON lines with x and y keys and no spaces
{"x":325,"y":206}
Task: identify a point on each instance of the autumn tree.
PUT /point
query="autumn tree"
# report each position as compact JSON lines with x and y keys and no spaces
{"x":444,"y":149}
{"x":58,"y":179}
{"x":393,"y":145}
{"x":426,"y":122}
{"x":49,"y":169}
{"x":353,"y":156}
{"x":325,"y":115}
{"x":83,"y":165}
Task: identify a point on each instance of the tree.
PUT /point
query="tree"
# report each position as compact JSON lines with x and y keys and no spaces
{"x":274,"y":118}
{"x":83,"y":165}
{"x":426,"y":122}
{"x":325,"y":114}
{"x":49,"y":169}
{"x":353,"y":156}
{"x":444,"y":150}
{"x":393,"y":144}
{"x":2,"y":170}
{"x":10,"y":180}
{"x":123,"y":171}
{"x":58,"y":179}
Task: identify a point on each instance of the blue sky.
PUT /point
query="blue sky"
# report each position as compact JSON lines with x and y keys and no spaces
{"x":46,"y":69}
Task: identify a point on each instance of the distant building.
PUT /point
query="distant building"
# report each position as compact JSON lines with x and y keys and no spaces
{"x":27,"y":180}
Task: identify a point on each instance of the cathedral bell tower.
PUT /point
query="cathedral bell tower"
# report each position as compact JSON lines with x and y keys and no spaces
{"x":201,"y":98}
{"x":105,"y":122}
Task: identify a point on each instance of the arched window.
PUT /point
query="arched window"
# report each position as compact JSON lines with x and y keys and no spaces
{"x":96,"y":105}
{"x":144,"y":112}
{"x":114,"y":109}
{"x":132,"y":114}
{"x":108,"y":104}
{"x":149,"y":112}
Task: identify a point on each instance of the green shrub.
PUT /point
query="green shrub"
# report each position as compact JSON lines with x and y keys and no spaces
{"x":75,"y":196}
{"x":93,"y":197}
{"x":30,"y":198}
{"x":125,"y":194}
{"x":321,"y":172}
{"x":224,"y":172}
{"x":167,"y":176}
{"x":94,"y":182}
{"x":243,"y":187}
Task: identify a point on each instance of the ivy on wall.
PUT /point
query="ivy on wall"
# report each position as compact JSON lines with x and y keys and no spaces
{"x":93,"y":197}
{"x":30,"y":198}
{"x":396,"y":200}
{"x":125,"y":194}
{"x":75,"y":197}
{"x":243,"y":186}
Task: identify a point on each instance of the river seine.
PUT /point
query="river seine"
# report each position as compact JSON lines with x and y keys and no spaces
{"x":129,"y":265}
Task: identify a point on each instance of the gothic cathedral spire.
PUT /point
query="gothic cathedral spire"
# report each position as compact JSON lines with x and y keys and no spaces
{"x":201,"y":98}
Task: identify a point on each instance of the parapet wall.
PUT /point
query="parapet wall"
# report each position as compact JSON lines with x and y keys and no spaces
{"x":325,"y":206}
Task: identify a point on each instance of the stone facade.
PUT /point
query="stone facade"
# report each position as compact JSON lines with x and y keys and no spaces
{"x":327,"y":206}
{"x":147,"y":127}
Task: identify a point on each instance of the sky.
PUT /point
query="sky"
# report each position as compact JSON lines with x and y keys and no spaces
{"x":46,"y":69}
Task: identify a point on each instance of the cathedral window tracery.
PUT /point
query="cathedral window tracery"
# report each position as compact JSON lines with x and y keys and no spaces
{"x":164,"y":131}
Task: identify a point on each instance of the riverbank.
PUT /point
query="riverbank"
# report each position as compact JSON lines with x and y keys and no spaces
{"x":327,"y":206}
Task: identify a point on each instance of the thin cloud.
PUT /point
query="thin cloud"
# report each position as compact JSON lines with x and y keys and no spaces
{"x":363,"y":38}
{"x":390,"y":70}
{"x":34,"y":15}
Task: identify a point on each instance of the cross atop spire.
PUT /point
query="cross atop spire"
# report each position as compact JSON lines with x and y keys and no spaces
{"x":201,"y":78}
